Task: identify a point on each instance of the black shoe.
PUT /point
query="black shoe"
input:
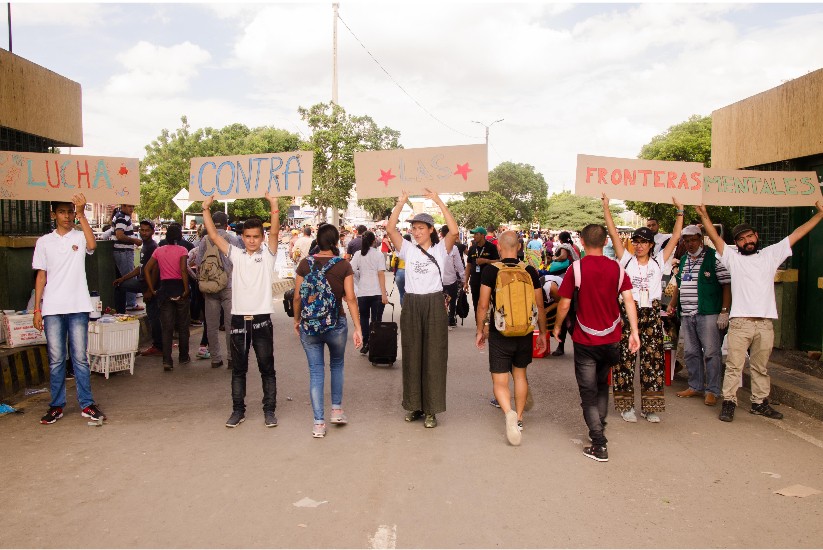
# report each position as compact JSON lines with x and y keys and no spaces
{"x":597,"y":452}
{"x":53,"y":415}
{"x":167,"y":367}
{"x":364,"y":350}
{"x":185,"y":360}
{"x":216,"y":365}
{"x":270,"y":419}
{"x":727,"y":412}
{"x":93,"y":412}
{"x":764,"y":409}
{"x":235,"y":419}
{"x":559,"y":351}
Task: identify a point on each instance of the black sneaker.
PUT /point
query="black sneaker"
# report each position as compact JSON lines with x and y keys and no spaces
{"x":185,"y":360}
{"x":764,"y":409}
{"x":269,"y":418}
{"x":727,"y":412}
{"x":597,"y":452}
{"x":364,"y":350}
{"x":216,"y":364}
{"x":236,"y":418}
{"x":93,"y":412}
{"x":53,"y":415}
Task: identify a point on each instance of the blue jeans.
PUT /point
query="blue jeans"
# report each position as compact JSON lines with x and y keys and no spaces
{"x":400,"y":281}
{"x":371,"y":311}
{"x":701,"y":344}
{"x":313,"y":346}
{"x":124,"y":264}
{"x":68,"y":331}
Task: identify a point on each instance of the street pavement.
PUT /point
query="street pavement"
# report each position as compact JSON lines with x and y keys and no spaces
{"x":164,"y":471}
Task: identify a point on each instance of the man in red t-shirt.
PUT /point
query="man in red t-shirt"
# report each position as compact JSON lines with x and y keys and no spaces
{"x":597,"y":330}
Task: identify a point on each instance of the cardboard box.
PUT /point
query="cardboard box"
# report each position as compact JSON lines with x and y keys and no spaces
{"x":19,"y":331}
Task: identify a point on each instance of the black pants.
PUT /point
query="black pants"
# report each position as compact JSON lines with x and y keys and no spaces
{"x":152,"y":307}
{"x":591,"y":368}
{"x":371,"y":311}
{"x":474,"y":286}
{"x":174,"y":314}
{"x":451,"y":292}
{"x":252,"y":331}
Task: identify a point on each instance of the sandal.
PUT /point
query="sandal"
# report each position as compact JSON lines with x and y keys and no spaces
{"x":319,"y":430}
{"x":413,"y":415}
{"x":338,"y":417}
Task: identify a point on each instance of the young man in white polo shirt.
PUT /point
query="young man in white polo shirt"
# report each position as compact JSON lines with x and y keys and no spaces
{"x":60,"y":261}
{"x":753,"y":307}
{"x":251,"y":308}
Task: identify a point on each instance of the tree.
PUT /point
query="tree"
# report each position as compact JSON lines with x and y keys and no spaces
{"x":165,"y":169}
{"x":336,"y":136}
{"x":525,"y":189}
{"x":378,"y":208}
{"x":487,"y":208}
{"x":574,"y":212}
{"x":689,"y":141}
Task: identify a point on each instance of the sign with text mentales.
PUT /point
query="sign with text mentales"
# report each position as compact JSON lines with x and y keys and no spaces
{"x":442,"y":169}
{"x":53,"y":177}
{"x":691,"y":183}
{"x":247,"y":176}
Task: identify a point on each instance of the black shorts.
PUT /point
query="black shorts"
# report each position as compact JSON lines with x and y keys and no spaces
{"x":508,"y":351}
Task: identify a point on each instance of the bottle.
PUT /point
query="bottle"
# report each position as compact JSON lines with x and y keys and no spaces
{"x":96,"y":305}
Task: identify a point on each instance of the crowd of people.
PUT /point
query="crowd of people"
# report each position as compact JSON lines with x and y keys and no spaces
{"x":604,"y":290}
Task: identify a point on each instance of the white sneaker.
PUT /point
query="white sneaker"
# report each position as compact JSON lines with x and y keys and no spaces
{"x":651,"y":417}
{"x":512,"y":430}
{"x":629,"y":416}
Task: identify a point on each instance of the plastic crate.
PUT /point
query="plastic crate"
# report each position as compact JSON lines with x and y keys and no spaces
{"x":112,"y":363}
{"x":113,"y":338}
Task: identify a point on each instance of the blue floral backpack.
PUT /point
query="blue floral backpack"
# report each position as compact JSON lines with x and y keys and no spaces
{"x":319,"y":310}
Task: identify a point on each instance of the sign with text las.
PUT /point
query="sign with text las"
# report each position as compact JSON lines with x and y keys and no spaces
{"x":247,"y":176}
{"x":657,"y":181}
{"x":442,"y":169}
{"x":52,"y":177}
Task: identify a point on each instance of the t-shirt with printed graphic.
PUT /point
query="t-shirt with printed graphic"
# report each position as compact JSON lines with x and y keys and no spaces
{"x":645,"y":278}
{"x":422,"y":275}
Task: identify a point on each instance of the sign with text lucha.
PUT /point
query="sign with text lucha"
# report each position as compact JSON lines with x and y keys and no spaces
{"x":247,"y":176}
{"x":659,"y":180}
{"x":53,"y":177}
{"x":442,"y":169}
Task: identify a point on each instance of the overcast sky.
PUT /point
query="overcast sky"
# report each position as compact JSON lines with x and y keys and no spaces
{"x":600,"y":79}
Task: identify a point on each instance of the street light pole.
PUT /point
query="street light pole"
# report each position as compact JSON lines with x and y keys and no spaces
{"x":487,"y":126}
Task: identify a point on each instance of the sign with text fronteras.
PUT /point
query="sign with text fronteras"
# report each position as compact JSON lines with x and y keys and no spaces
{"x":53,"y":177}
{"x":691,"y":183}
{"x":442,"y":169}
{"x":247,"y":176}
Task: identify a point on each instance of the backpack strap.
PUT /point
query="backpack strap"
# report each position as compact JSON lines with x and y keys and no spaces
{"x":433,"y":261}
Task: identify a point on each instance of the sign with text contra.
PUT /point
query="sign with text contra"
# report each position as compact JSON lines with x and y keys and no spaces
{"x":247,"y":176}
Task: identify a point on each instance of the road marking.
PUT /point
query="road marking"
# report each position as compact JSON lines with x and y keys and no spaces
{"x":384,"y":537}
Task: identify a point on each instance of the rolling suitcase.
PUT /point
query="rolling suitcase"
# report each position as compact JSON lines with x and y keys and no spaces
{"x":383,"y":342}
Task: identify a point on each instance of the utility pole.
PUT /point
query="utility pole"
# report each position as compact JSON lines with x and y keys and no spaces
{"x":487,"y":126}
{"x":9,"y":17}
{"x":335,"y":213}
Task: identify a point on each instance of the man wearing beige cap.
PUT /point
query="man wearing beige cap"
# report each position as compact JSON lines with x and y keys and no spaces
{"x":702,"y":299}
{"x":753,"y":307}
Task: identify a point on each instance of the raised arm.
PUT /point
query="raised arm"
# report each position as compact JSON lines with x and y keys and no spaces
{"x":274,"y":232}
{"x":678,"y":227}
{"x":453,"y":234}
{"x":391,"y":227}
{"x":801,"y":231}
{"x":613,"y":234}
{"x":719,"y":245}
{"x":215,"y":237}
{"x":79,"y":201}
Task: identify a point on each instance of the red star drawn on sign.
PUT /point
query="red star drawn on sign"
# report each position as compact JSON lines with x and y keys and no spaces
{"x":123,"y":170}
{"x":463,"y":170}
{"x":385,"y":176}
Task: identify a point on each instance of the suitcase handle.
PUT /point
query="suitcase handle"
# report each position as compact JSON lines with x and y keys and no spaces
{"x":392,"y":311}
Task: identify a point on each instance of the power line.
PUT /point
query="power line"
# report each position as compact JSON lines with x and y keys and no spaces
{"x":401,"y":87}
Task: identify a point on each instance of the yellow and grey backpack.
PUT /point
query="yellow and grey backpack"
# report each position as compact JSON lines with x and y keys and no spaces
{"x":515,"y":310}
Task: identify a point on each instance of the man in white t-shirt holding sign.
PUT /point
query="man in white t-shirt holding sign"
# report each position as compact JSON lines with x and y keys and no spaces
{"x":750,"y":324}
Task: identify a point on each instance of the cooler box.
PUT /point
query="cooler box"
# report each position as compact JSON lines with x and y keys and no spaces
{"x":113,"y":346}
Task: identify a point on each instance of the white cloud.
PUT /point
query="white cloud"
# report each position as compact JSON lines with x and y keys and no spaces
{"x":66,"y":15}
{"x":153,"y":70}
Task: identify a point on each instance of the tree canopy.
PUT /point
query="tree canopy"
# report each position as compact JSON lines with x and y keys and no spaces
{"x":486,"y":208}
{"x":689,"y":141}
{"x":165,"y":169}
{"x":574,"y":212}
{"x":336,"y":136}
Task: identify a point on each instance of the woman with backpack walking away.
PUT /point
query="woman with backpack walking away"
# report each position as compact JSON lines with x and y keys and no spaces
{"x":423,"y":319}
{"x":322,"y":281}
{"x":369,"y":266}
{"x":646,"y":274}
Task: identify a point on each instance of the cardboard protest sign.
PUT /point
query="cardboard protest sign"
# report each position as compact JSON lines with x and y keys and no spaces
{"x":52,"y":177}
{"x":639,"y":180}
{"x":247,"y":176}
{"x":754,"y":188}
{"x":658,"y":180}
{"x":442,"y":169}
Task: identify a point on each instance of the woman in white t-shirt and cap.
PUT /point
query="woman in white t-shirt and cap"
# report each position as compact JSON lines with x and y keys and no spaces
{"x":423,"y":318}
{"x":646,"y":274}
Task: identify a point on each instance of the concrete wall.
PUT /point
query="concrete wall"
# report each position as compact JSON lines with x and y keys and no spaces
{"x":779,"y":124}
{"x":38,"y":101}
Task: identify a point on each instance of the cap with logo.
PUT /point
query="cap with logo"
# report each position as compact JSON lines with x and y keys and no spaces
{"x":643,"y":233}
{"x":479,"y":229}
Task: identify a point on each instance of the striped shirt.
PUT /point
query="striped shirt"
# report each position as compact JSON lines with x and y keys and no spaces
{"x":690,"y":271}
{"x":122,"y":221}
